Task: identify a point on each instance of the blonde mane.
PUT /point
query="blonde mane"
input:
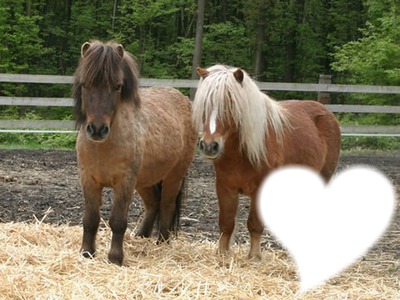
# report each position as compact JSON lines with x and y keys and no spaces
{"x":251,"y":110}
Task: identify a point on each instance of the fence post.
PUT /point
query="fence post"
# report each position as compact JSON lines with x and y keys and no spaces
{"x":324,"y":97}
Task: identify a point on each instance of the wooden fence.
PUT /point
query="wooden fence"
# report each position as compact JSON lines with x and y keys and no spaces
{"x":323,"y":88}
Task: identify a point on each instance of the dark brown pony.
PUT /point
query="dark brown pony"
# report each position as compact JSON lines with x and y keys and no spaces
{"x":128,"y":139}
{"x":247,"y":135}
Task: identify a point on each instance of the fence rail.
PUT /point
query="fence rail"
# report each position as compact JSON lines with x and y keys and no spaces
{"x":190,"y":83}
{"x":33,"y":126}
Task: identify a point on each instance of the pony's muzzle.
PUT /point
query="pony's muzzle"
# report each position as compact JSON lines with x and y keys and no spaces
{"x":210,"y":150}
{"x":97,"y":132}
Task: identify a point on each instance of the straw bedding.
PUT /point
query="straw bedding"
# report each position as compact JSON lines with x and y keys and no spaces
{"x":42,"y":261}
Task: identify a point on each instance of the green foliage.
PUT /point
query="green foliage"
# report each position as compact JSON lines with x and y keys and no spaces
{"x":375,"y":57}
{"x":351,"y":143}
{"x":86,"y":22}
{"x":368,"y":119}
{"x":154,"y":32}
{"x":309,"y":40}
{"x":226,"y":43}
{"x":37,"y":140}
{"x":21,"y":48}
{"x":12,"y":112}
{"x":45,"y":36}
{"x":9,"y":112}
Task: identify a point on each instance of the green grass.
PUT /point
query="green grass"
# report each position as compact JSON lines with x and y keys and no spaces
{"x":32,"y":146}
{"x":362,"y":143}
{"x":45,"y":141}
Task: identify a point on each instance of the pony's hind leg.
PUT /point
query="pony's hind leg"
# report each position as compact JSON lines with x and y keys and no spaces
{"x":228,"y":204}
{"x":255,"y":227}
{"x":332,"y":141}
{"x":119,"y":220}
{"x":171,"y":197}
{"x":331,"y":161}
{"x":91,"y":217}
{"x":151,"y":197}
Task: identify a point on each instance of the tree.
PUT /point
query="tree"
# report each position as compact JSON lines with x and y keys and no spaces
{"x":158,"y":33}
{"x":21,"y":48}
{"x":375,"y":57}
{"x":226,"y":43}
{"x":257,"y":11}
{"x":198,"y":41}
{"x":287,"y":39}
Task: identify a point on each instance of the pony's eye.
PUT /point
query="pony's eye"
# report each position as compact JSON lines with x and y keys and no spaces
{"x":117,"y":87}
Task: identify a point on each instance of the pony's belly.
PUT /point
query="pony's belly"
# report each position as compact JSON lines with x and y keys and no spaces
{"x":240,"y":179}
{"x":108,"y":173}
{"x":154,"y":172}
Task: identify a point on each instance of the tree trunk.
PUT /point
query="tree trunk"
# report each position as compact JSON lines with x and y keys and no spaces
{"x":259,"y":63}
{"x":114,"y":15}
{"x":198,"y":42}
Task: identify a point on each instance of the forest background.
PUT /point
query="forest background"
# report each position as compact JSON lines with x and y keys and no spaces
{"x":357,"y":42}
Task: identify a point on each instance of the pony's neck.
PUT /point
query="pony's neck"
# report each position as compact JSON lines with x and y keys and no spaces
{"x":126,"y":123}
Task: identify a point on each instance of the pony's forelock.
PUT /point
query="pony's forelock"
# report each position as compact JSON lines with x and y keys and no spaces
{"x":250,"y":110}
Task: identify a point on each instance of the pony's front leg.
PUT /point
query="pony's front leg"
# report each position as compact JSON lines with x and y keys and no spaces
{"x":119,"y":220}
{"x":228,"y":201}
{"x":255,"y":227}
{"x":91,"y":217}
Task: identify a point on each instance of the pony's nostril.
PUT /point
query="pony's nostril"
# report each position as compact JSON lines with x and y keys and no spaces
{"x":90,"y":128}
{"x":209,"y":149}
{"x":103,"y":131}
{"x":97,"y":132}
{"x":202,"y":146}
{"x":214,"y":147}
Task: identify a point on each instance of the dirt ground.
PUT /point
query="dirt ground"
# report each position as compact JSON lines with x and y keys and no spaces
{"x":44,"y":184}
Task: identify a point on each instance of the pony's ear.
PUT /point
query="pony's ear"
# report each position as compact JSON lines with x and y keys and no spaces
{"x":203,"y":73}
{"x":120,"y":50}
{"x":85,"y":46}
{"x":238,"y":75}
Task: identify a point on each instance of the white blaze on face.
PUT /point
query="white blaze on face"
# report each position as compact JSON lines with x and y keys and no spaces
{"x":213,"y":121}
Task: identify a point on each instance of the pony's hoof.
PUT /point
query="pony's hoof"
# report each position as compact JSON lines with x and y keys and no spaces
{"x":143,"y":232}
{"x":115,"y":258}
{"x":256,"y":257}
{"x":142,"y":236}
{"x":88,"y":254}
{"x":163,"y":238}
{"x":223,"y":252}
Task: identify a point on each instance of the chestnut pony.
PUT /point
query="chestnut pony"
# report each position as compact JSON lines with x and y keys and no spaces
{"x":247,"y":135}
{"x":128,"y":139}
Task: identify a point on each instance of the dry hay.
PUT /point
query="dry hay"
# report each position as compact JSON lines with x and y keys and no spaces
{"x":42,"y":261}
